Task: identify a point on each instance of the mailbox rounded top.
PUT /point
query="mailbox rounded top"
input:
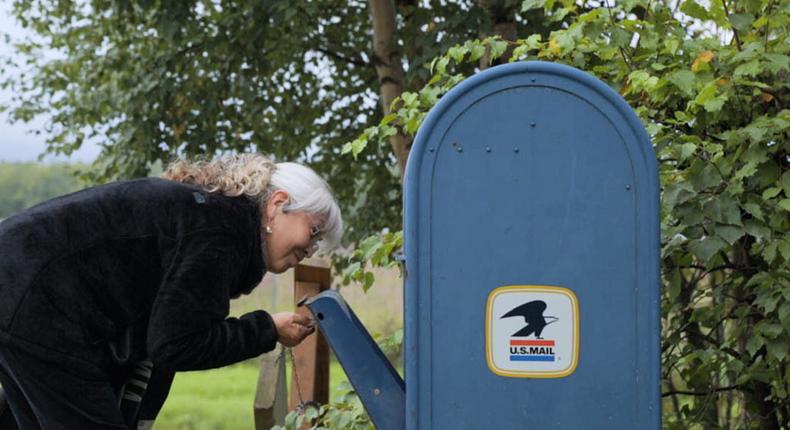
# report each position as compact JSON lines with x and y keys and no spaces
{"x":518,"y":74}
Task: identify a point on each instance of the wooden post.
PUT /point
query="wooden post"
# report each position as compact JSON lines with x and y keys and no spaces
{"x":270,"y":397}
{"x":311,"y":357}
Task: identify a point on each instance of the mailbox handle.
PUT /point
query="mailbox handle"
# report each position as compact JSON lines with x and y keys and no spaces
{"x":378,"y":385}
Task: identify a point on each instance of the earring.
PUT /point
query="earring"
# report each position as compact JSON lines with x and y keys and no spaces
{"x":268,"y":229}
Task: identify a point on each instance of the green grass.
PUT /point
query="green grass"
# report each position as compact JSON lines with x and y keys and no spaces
{"x":220,"y":399}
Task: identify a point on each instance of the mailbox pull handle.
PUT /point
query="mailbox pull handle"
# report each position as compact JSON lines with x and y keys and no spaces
{"x":378,"y":385}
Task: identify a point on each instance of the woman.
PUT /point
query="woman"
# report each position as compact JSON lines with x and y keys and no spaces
{"x":95,"y":281}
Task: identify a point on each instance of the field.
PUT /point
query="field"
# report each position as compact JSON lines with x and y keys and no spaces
{"x":219,"y":399}
{"x":222,"y":399}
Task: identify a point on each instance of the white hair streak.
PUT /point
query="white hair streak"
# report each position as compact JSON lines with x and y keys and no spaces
{"x":311,"y":194}
{"x":256,"y":176}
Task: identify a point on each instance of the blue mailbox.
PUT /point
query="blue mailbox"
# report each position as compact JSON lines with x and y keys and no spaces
{"x":532,"y":260}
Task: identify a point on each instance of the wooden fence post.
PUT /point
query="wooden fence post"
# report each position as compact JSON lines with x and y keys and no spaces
{"x":270,"y":396}
{"x":311,"y":357}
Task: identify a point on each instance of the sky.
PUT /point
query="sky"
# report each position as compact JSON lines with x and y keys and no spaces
{"x":17,"y":142}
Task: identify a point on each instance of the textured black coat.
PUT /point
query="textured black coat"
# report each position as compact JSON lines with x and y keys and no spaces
{"x":122,"y":271}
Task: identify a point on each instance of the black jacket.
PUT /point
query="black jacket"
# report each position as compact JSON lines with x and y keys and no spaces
{"x":124,"y":271}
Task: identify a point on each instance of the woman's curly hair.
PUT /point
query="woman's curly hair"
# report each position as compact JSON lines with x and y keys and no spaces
{"x":231,"y":175}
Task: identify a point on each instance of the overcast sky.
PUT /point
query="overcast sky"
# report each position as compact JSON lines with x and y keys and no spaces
{"x":16,"y":141}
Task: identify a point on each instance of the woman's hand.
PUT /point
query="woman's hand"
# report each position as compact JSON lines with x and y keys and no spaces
{"x":292,"y":328}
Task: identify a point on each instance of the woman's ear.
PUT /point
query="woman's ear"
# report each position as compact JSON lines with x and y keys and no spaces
{"x":276,"y":201}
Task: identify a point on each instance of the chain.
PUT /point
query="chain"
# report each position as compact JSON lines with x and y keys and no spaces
{"x":302,"y":406}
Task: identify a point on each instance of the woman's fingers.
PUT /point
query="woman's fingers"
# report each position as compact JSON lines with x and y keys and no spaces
{"x":292,"y":328}
{"x":304,"y":320}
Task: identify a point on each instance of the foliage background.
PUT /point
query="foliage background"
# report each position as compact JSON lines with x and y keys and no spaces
{"x":24,"y":184}
{"x":708,"y":79}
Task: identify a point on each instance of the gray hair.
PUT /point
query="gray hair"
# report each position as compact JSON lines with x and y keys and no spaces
{"x":310,"y":194}
{"x":257,"y":177}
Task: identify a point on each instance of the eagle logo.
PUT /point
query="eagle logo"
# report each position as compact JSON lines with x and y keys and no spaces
{"x":533,"y":317}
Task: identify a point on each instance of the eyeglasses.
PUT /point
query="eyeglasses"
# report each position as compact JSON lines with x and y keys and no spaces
{"x":315,"y":237}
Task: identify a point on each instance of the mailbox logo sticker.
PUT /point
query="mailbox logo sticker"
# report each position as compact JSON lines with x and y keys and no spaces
{"x":532,"y":331}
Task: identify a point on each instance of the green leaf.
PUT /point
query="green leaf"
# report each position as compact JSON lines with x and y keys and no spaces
{"x":784,"y":249}
{"x":785,"y":204}
{"x":563,"y":41}
{"x":769,"y":252}
{"x":311,"y":413}
{"x":707,"y":178}
{"x":498,"y":47}
{"x":476,"y":51}
{"x":770,"y":330}
{"x":369,"y":246}
{"x":457,"y":53}
{"x":729,"y":233}
{"x":723,"y":209}
{"x":358,"y":145}
{"x":388,"y":131}
{"x":685,"y":151}
{"x":409,"y":97}
{"x":532,"y":4}
{"x":784,"y":182}
{"x":694,"y":10}
{"x":748,"y":170}
{"x":752,"y":68}
{"x":534,"y":41}
{"x":741,"y":21}
{"x":706,"y":247}
{"x":388,"y":119}
{"x":671,"y":45}
{"x":675,"y":194}
{"x":777,"y":62}
{"x":767,"y":300}
{"x":777,"y":348}
{"x":684,"y":80}
{"x":754,"y":344}
{"x":770,"y":193}
{"x":716,"y":104}
{"x":620,"y":38}
{"x":784,"y":313}
{"x":430,"y":95}
{"x":368,"y":280}
{"x":291,"y":420}
{"x":756,"y":229}
{"x":707,"y":94}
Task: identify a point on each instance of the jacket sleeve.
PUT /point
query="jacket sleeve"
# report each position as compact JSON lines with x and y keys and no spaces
{"x":188,"y":328}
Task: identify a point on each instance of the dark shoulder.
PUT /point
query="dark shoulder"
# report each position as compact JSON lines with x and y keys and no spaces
{"x":143,"y":205}
{"x":190,"y":206}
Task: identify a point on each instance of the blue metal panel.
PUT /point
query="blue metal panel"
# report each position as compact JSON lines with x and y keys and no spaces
{"x":376,"y":382}
{"x":532,"y":173}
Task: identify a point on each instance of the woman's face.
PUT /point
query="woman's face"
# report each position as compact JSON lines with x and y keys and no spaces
{"x":290,"y":240}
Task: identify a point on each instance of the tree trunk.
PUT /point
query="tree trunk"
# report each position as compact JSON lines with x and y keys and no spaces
{"x":708,"y":415}
{"x":756,"y":397}
{"x":502,"y":15}
{"x":389,"y":69}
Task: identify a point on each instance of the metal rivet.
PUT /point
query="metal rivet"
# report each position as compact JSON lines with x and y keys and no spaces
{"x":533,"y":79}
{"x":488,"y":149}
{"x":628,"y":187}
{"x":532,"y":124}
{"x":515,"y":149}
{"x":431,"y":149}
{"x":376,"y":392}
{"x":457,"y":147}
